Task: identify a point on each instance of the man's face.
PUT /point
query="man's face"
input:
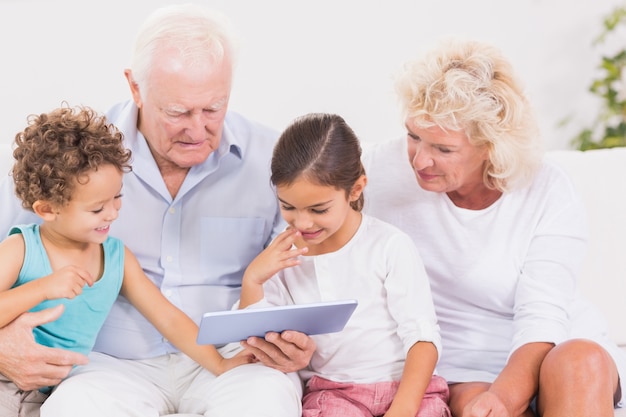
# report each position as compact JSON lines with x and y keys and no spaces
{"x":183,"y":108}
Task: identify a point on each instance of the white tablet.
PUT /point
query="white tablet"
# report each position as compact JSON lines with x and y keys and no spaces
{"x":221,"y":327}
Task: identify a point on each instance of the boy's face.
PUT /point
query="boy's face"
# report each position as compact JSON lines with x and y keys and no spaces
{"x":94,"y":205}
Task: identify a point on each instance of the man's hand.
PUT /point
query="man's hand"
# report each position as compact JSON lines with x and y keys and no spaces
{"x":289,"y":351}
{"x":28,"y":364}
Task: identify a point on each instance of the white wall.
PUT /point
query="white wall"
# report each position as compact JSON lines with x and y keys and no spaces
{"x":302,"y":56}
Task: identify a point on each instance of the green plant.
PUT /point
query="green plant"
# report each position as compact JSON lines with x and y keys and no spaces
{"x":609,"y":127}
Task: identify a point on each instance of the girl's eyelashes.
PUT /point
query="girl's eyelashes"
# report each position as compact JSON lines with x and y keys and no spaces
{"x":315,"y":211}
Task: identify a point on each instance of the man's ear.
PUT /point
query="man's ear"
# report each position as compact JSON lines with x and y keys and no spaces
{"x":45,"y":210}
{"x":134,"y":87}
{"x":358,"y":187}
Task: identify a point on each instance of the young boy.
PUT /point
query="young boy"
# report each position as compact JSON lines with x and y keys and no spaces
{"x":68,"y":170}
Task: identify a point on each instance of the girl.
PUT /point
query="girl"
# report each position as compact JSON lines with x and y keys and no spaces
{"x":384,"y":359}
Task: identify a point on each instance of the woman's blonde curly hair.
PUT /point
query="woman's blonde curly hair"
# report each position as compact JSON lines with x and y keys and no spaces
{"x":470,"y":86}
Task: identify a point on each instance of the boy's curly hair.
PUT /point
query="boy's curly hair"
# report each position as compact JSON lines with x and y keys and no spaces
{"x":58,"y":148}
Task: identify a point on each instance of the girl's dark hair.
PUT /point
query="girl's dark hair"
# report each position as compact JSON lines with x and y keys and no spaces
{"x":323,"y":149}
{"x":60,"y":147}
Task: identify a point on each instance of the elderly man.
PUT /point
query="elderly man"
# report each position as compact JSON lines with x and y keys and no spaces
{"x":198,"y":207}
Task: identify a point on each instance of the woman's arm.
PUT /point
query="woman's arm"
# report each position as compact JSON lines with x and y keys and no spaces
{"x":514,"y":388}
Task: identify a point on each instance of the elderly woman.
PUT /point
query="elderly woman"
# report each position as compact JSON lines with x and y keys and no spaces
{"x":502,"y":235}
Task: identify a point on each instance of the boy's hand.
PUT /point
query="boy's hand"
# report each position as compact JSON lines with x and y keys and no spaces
{"x":241,"y":358}
{"x":67,"y":282}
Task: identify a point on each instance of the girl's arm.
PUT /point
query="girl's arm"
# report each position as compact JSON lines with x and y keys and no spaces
{"x":67,"y":282}
{"x":280,"y":254}
{"x":418,"y":371}
{"x":411,"y":305}
{"x":170,"y":321}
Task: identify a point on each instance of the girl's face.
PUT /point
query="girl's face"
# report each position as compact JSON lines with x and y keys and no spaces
{"x":321,"y":213}
{"x":94,"y":205}
{"x":445,"y":161}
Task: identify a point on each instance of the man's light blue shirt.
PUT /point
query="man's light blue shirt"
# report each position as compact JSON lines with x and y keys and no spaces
{"x":196,"y":246}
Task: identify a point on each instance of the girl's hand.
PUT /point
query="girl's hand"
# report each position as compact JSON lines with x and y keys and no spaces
{"x":280,"y":254}
{"x":67,"y":282}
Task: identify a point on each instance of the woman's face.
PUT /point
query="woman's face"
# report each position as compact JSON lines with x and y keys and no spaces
{"x":445,"y":161}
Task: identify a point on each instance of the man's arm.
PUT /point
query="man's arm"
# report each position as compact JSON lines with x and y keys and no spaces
{"x":28,"y":364}
{"x":289,"y":351}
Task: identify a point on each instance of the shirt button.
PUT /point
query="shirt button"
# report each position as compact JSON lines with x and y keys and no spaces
{"x":168,"y":293}
{"x":169,"y":259}
{"x":172,"y":210}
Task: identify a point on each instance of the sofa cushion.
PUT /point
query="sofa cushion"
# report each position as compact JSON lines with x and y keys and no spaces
{"x":600,"y":177}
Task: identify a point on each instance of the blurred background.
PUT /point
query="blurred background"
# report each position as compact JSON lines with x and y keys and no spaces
{"x":307,"y":56}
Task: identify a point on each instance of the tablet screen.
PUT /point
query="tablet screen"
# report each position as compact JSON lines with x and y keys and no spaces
{"x":221,"y":327}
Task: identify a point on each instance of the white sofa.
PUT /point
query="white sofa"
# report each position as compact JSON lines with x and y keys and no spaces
{"x":600,"y":177}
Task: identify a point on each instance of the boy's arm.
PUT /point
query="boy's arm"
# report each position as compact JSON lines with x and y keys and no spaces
{"x":418,"y":371}
{"x":18,"y":300}
{"x":170,"y":321}
{"x":67,"y":282}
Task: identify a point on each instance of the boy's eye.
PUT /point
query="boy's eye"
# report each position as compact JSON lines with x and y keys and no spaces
{"x":284,"y":207}
{"x":319,"y":211}
{"x":97,"y":210}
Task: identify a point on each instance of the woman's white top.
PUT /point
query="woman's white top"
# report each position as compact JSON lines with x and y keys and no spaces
{"x":501,"y":277}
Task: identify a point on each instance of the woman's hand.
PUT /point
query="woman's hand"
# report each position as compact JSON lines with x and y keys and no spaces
{"x":486,"y":404}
